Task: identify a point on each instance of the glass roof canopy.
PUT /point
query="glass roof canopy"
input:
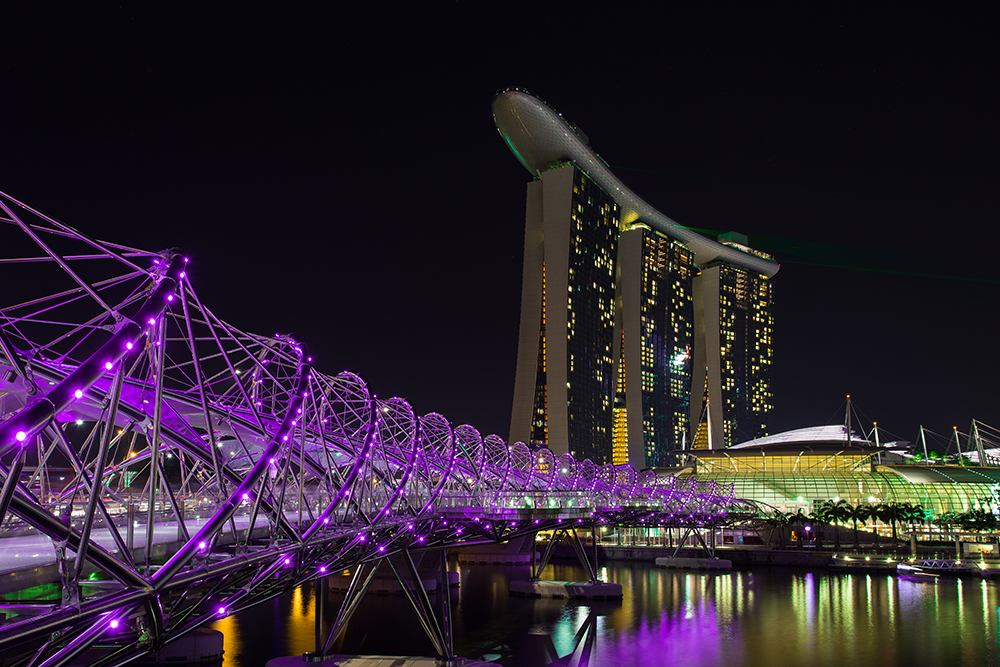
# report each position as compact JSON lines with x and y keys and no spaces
{"x":802,"y":469}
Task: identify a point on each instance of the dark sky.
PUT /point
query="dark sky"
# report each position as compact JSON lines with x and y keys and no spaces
{"x":336,"y":174}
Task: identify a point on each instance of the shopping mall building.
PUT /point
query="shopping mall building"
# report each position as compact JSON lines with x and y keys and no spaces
{"x":801,"y":469}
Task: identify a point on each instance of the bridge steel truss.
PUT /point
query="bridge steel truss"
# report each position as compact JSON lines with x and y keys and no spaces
{"x":207,"y":469}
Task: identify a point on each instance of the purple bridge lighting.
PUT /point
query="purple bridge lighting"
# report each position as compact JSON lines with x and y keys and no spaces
{"x":161,"y":467}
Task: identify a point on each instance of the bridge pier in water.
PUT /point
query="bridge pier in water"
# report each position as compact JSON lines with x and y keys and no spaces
{"x":411,"y":582}
{"x":594,"y":588}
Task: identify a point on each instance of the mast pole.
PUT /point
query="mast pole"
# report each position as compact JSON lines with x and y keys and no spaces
{"x":979,"y":443}
{"x":848,"y":420}
{"x":875,"y":429}
{"x":923,"y":439}
{"x":958,"y":444}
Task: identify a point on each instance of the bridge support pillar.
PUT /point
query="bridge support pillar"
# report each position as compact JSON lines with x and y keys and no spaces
{"x":691,"y":530}
{"x":443,"y":593}
{"x":356,"y":590}
{"x":320,"y":608}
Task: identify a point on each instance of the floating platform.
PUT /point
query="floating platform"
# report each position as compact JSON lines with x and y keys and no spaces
{"x":861,"y":563}
{"x":371,"y":661}
{"x":928,"y":567}
{"x":694,"y":563}
{"x":566,"y":589}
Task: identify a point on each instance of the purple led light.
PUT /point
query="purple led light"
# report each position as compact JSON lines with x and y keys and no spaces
{"x":21,"y":436}
{"x":108,"y":365}
{"x":222,"y":611}
{"x":78,"y":394}
{"x":322,"y":568}
{"x":128,"y":346}
{"x":114,"y":624}
{"x":170,"y":297}
{"x":202,"y":545}
{"x":288,"y":561}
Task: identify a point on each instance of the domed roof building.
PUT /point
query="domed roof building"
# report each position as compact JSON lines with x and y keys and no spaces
{"x":803,"y":468}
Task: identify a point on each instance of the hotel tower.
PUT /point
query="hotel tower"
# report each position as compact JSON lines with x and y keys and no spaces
{"x":625,"y":315}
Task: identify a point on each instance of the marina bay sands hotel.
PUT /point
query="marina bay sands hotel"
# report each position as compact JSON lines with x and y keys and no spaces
{"x":639,"y":338}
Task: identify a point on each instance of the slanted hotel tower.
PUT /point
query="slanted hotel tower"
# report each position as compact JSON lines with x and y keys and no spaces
{"x":624,"y":314}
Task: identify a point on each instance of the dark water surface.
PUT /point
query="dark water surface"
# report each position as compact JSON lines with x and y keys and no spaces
{"x":766,"y":616}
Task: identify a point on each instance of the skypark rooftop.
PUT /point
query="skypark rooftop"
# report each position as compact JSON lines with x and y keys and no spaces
{"x":539,"y":137}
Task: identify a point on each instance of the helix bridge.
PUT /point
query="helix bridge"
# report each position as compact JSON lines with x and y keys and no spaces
{"x":161,"y":467}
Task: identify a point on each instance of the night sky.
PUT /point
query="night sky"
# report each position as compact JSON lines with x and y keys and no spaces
{"x":336,"y":174}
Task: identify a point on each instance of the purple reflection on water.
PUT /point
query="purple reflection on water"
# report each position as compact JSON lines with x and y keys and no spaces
{"x":679,"y":636}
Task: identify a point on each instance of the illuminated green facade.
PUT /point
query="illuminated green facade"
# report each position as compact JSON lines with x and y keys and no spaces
{"x":802,"y":480}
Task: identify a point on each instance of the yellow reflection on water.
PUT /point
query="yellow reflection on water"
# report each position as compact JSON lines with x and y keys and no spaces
{"x":300,"y":626}
{"x":986,"y":602}
{"x":232,"y":643}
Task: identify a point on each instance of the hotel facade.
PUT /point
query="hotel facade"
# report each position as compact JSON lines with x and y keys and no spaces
{"x":634,"y":331}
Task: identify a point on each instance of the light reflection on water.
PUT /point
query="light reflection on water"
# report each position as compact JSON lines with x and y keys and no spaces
{"x":745,"y":618}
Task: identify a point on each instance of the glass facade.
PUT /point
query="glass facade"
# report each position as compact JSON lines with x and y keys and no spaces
{"x":540,"y":405}
{"x":746,"y":326}
{"x":666,"y":336}
{"x":619,"y":453}
{"x":593,"y":246}
{"x":806,"y":480}
{"x":574,"y":388}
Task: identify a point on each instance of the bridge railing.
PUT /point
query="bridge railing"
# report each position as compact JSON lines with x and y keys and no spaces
{"x":517,"y":500}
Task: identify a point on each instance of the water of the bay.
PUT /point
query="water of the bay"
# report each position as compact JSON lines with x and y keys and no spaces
{"x":764,"y":616}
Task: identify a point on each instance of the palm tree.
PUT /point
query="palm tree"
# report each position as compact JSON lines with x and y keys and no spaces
{"x":800,"y":519}
{"x":818,"y":518}
{"x":914,"y":513}
{"x":854,"y":513}
{"x":871,"y":512}
{"x":776,"y":520}
{"x":889,"y":513}
{"x":836,"y":512}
